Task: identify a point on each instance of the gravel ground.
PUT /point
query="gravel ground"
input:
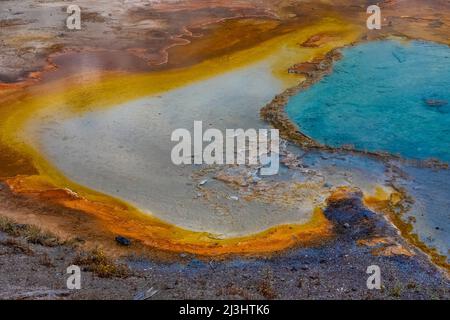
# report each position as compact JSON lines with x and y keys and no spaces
{"x":332,"y":270}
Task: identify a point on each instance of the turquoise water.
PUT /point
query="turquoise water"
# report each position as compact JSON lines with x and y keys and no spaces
{"x":382,"y":96}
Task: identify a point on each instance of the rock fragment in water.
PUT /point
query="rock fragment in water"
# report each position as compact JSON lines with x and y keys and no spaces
{"x":436,"y":103}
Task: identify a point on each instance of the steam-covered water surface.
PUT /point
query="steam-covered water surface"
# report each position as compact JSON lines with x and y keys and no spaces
{"x":125,"y":151}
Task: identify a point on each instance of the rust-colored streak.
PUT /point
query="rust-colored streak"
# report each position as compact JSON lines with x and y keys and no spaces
{"x":29,"y":174}
{"x":393,"y":206}
{"x":121,"y":219}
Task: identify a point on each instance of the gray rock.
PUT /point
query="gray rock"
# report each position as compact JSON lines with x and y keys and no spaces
{"x":123,"y":241}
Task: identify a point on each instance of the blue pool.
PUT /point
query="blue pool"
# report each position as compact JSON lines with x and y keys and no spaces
{"x":382,"y":96}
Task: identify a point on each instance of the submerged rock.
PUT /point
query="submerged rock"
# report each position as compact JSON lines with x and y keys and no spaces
{"x":436,"y":103}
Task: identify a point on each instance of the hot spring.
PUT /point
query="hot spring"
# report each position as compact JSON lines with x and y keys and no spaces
{"x":382,"y":96}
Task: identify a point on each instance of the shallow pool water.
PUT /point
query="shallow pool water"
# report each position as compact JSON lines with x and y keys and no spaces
{"x":382,"y":96}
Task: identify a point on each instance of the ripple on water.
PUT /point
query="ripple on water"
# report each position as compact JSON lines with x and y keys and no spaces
{"x":382,"y":96}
